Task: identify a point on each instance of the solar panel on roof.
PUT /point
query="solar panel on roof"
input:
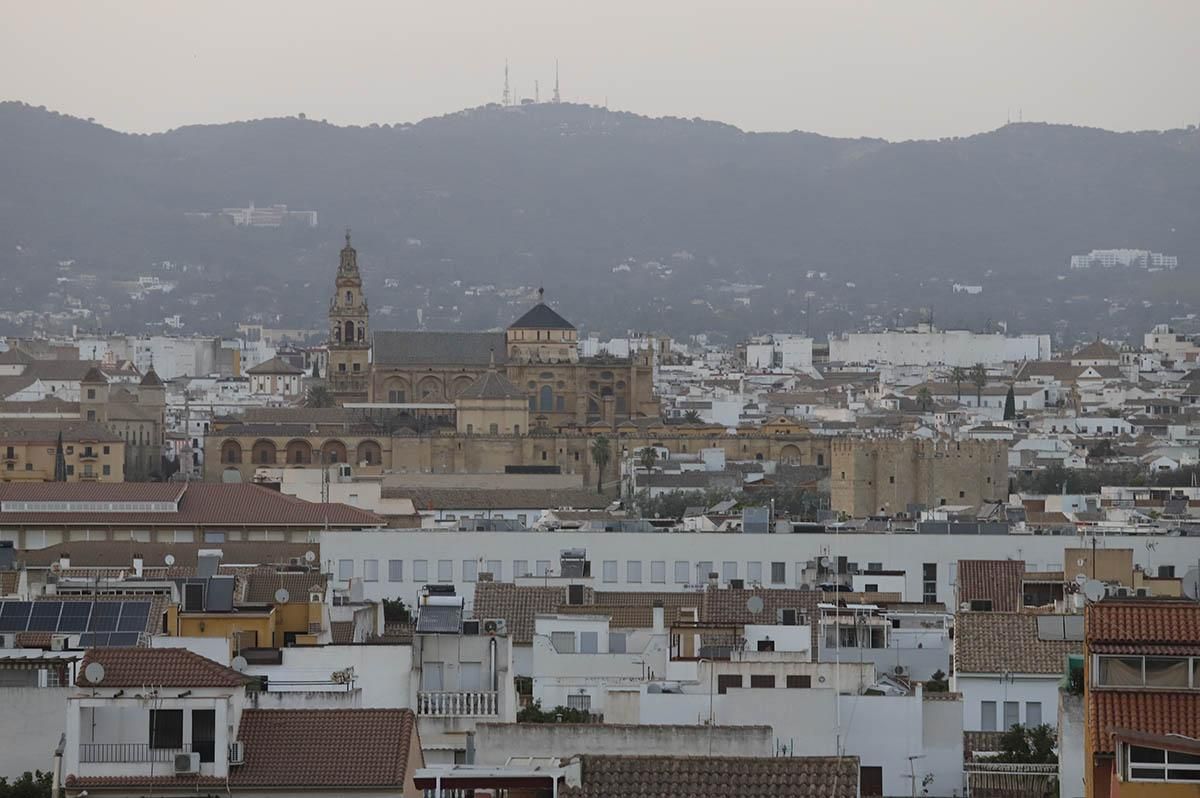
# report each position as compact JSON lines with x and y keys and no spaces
{"x":93,"y":639}
{"x":75,"y":616}
{"x":123,"y":639}
{"x":435,"y":619}
{"x":220,"y":594}
{"x":44,"y":617}
{"x":104,"y":616}
{"x":14,"y":616}
{"x":133,"y":616}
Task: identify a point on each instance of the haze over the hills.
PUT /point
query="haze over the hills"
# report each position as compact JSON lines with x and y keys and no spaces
{"x":564,"y":193}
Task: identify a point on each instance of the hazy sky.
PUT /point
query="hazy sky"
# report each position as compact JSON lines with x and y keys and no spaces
{"x":891,"y":68}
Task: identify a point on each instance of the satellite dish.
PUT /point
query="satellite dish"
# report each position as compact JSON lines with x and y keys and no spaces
{"x":282,"y":596}
{"x":1080,"y":579}
{"x":754,"y":605}
{"x":310,"y":555}
{"x":1093,"y":589}
{"x":826,"y":562}
{"x":94,"y":673}
{"x":169,"y":560}
{"x":239,"y":663}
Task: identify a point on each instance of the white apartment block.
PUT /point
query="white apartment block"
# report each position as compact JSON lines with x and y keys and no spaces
{"x":928,"y":346}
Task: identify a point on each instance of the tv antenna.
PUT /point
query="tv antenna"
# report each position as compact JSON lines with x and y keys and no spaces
{"x":557,"y":97}
{"x":507,"y":96}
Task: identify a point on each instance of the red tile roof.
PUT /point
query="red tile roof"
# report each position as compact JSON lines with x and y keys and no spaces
{"x":199,"y":504}
{"x":996,"y":580}
{"x":713,"y":777}
{"x":1143,"y":623}
{"x":1007,"y":642}
{"x":1144,"y":711}
{"x":326,"y":748}
{"x":157,"y":667}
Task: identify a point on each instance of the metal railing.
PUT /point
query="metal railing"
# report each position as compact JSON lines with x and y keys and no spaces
{"x":458,"y":703}
{"x":129,"y":752}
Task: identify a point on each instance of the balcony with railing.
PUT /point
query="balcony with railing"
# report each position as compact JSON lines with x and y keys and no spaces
{"x":138,"y":753}
{"x":458,"y":703}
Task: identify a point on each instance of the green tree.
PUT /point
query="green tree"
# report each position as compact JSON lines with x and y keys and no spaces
{"x":692,"y":417}
{"x":938,"y":683}
{"x":958,"y":374}
{"x":319,"y":396}
{"x":533,"y":713}
{"x":924,"y":397}
{"x":1027,"y":745}
{"x":1010,"y":405}
{"x":979,"y":378}
{"x":30,"y":785}
{"x":394,"y":611}
{"x":647,"y":457}
{"x":601,"y":455}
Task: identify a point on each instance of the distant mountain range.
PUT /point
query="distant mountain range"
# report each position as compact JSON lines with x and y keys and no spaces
{"x":562,"y":193}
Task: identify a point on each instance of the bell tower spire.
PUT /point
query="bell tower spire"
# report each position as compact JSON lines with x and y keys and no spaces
{"x":349,"y":344}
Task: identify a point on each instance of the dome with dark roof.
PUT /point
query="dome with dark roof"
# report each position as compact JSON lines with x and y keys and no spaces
{"x":492,"y":385}
{"x":541,"y":317}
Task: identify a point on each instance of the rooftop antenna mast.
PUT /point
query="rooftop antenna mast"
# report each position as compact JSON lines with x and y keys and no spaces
{"x":507,"y":96}
{"x":557,"y":97}
{"x":537,"y":92}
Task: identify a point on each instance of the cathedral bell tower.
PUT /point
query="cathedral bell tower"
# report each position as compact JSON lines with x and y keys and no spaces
{"x":349,"y":345}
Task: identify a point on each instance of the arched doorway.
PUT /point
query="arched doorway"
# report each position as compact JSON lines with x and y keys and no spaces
{"x":263,"y":453}
{"x":231,"y":452}
{"x":369,"y":453}
{"x":333,"y":452}
{"x":299,"y":452}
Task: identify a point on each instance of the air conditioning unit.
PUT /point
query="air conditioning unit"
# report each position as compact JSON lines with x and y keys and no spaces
{"x":495,"y":626}
{"x":237,"y":753}
{"x":58,"y":642}
{"x":900,"y":670}
{"x":187,"y":763}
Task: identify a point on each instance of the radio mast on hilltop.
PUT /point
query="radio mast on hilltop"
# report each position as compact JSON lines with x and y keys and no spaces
{"x":557,"y":97}
{"x":507,"y":96}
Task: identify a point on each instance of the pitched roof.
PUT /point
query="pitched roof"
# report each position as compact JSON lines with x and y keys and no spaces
{"x":703,"y":777}
{"x":198,"y":503}
{"x":996,"y":580}
{"x":492,"y":385}
{"x":151,"y":379}
{"x":518,"y":604}
{"x":731,"y":606}
{"x":1096,"y":350}
{"x":275,"y":365}
{"x":157,"y":667}
{"x":619,"y":617}
{"x":1148,"y":627}
{"x":1143,"y":711}
{"x":1007,"y":642}
{"x":46,"y":430}
{"x":541,"y":317}
{"x":403,"y":348}
{"x":326,"y":748}
{"x":261,"y":586}
{"x":341,"y":633}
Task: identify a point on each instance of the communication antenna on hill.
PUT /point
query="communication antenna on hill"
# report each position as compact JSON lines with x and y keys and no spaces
{"x":537,"y":96}
{"x":557,"y":96}
{"x":507,"y":96}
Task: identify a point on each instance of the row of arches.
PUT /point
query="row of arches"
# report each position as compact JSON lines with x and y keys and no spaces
{"x":428,"y":388}
{"x":299,"y":451}
{"x":351,"y":334}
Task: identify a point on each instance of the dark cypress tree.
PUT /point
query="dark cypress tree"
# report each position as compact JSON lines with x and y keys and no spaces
{"x":1010,"y":405}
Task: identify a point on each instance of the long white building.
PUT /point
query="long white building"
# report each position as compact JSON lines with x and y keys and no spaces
{"x":928,"y":346}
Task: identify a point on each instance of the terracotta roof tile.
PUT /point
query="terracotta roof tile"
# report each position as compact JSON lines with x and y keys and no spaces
{"x":341,"y":633}
{"x":732,"y":607}
{"x":518,"y":604}
{"x":326,"y":748}
{"x":1007,"y":642}
{"x":1143,"y":623}
{"x":1143,"y":711}
{"x":159,"y":667}
{"x":619,"y":617}
{"x":199,"y":503}
{"x":261,"y":586}
{"x":996,"y":580}
{"x":188,"y":783}
{"x":8,"y":582}
{"x":705,"y":777}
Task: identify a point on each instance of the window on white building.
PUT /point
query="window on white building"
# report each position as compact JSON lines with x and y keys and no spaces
{"x":610,"y":570}
{"x":520,"y":568}
{"x":543,"y":568}
{"x":1012,"y":714}
{"x":778,"y":573}
{"x":494,"y":568}
{"x":563,"y":642}
{"x":589,"y":642}
{"x":703,"y":569}
{"x":445,"y":570}
{"x":395,"y":570}
{"x":1033,"y":713}
{"x":470,"y":676}
{"x":470,"y":569}
{"x":345,"y":570}
{"x":633,"y":572}
{"x":729,"y":570}
{"x":754,"y":573}
{"x":581,"y":702}
{"x":681,"y":572}
{"x":987,"y":716}
{"x":658,"y":572}
{"x":420,"y":571}
{"x":616,"y":642}
{"x":370,"y":570}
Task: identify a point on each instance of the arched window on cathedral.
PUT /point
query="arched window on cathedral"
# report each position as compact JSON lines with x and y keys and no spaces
{"x":349,"y":332}
{"x":362,"y":331}
{"x":337,"y":333}
{"x":546,"y":398}
{"x":349,"y":298}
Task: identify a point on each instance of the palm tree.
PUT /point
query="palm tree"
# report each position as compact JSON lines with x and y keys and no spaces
{"x":319,"y":396}
{"x":692,"y":417}
{"x":979,"y":377}
{"x":924,"y":397}
{"x":647,"y":457}
{"x":958,"y":374}
{"x":601,"y":454}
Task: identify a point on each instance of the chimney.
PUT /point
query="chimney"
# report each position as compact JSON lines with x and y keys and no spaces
{"x":659,"y":621}
{"x":713,"y":579}
{"x":137,"y":564}
{"x":64,"y":560}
